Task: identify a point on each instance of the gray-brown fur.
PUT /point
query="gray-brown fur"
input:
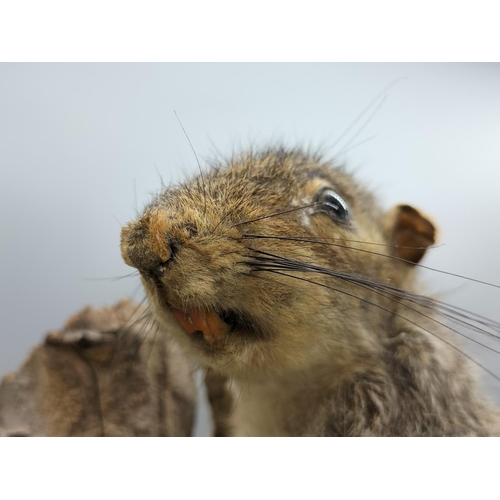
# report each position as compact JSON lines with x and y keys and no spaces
{"x":107,"y":373}
{"x":332,"y":357}
{"x":221,"y":402}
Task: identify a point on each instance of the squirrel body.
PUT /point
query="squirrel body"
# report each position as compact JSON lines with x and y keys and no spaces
{"x":284,"y":278}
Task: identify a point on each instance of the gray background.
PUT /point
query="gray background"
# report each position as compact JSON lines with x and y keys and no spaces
{"x":80,"y":145}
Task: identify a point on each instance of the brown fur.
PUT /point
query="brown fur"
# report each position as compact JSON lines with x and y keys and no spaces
{"x":323,"y":358}
{"x":97,"y":377}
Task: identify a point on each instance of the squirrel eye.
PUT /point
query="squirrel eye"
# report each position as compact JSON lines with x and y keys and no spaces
{"x":332,"y":204}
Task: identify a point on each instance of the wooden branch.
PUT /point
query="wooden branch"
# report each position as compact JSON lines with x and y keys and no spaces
{"x":108,"y":372}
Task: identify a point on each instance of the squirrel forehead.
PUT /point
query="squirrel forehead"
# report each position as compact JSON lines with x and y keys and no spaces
{"x":273,"y":179}
{"x":246,"y":188}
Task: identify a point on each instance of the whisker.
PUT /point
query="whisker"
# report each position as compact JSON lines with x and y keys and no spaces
{"x":396,"y":299}
{"x":226,"y":363}
{"x":380,"y":95}
{"x":162,"y":182}
{"x":319,"y":239}
{"x":197,"y":161}
{"x":367,"y":122}
{"x":306,"y":240}
{"x":394,"y":314}
{"x":395,"y":292}
{"x":236,"y":404}
{"x":277,"y":213}
{"x":153,"y":341}
{"x":114,"y":278}
{"x":360,"y":143}
{"x":124,"y":329}
{"x":135,"y":198}
{"x":290,"y":264}
{"x":442,"y":306}
{"x":144,"y":334}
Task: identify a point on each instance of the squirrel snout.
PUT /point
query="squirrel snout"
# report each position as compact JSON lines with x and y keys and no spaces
{"x":146,"y":261}
{"x":148,"y":247}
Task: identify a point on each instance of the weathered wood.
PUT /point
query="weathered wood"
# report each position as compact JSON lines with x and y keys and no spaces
{"x":108,"y":372}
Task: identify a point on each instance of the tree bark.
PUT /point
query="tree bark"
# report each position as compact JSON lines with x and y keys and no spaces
{"x":108,"y":372}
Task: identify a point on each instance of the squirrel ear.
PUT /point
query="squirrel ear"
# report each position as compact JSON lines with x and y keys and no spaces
{"x":410,"y":233}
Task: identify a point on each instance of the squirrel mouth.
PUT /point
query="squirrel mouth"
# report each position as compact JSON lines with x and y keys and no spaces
{"x":211,"y":325}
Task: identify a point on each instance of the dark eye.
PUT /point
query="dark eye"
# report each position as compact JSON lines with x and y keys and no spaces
{"x":332,"y":204}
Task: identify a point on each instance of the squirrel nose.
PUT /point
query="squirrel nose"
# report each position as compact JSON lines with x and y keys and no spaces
{"x":149,"y":262}
{"x":147,"y":246}
{"x":158,"y":267}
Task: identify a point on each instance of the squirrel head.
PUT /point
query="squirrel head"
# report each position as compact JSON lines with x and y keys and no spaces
{"x":263,"y":262}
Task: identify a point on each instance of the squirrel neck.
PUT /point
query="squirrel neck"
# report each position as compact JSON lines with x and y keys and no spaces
{"x":389,"y":394}
{"x":281,"y":405}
